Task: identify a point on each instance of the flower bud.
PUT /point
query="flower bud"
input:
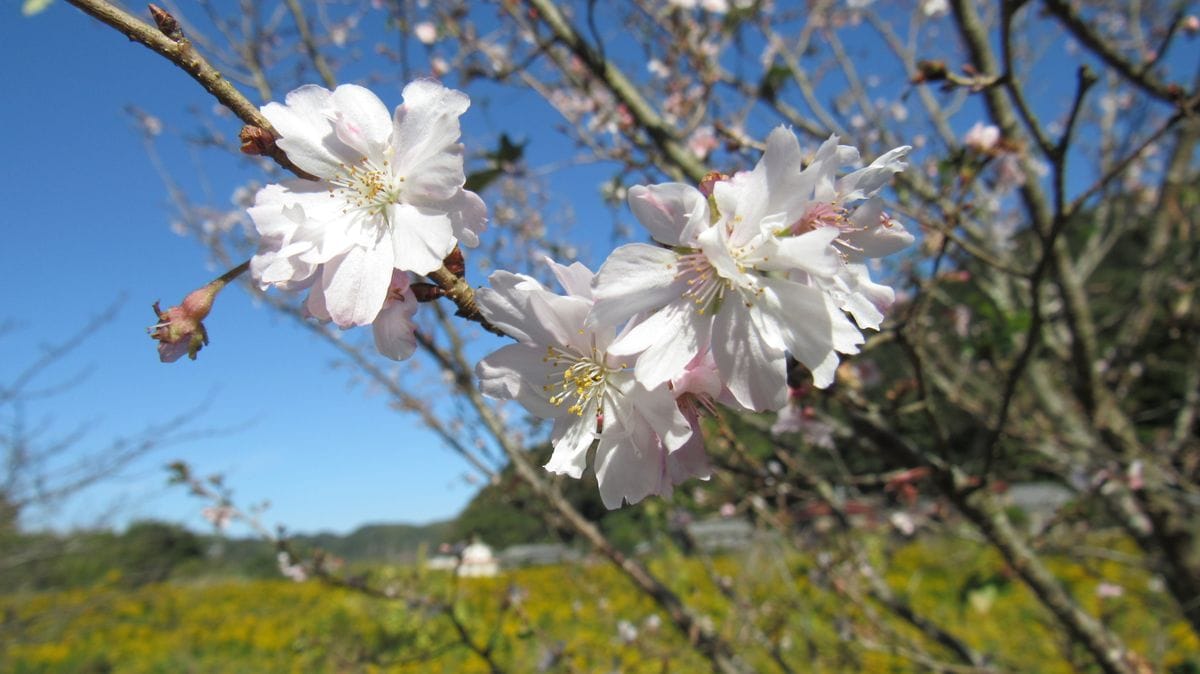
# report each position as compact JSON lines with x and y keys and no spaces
{"x":180,"y":329}
{"x":166,"y":23}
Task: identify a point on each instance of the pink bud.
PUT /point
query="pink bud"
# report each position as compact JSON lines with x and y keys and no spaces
{"x":180,"y":329}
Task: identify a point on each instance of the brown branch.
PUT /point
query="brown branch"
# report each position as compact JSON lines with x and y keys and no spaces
{"x":621,"y":87}
{"x":1139,"y":77}
{"x":310,"y":44}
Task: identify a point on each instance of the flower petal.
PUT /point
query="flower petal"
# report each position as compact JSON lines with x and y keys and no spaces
{"x":356,"y":284}
{"x":805,"y":321}
{"x":667,"y":340}
{"x":672,"y":212}
{"x":394,"y":329}
{"x":629,"y":467}
{"x":425,"y":140}
{"x":361,"y":120}
{"x":657,"y":406}
{"x":518,"y":372}
{"x":572,"y":437}
{"x":635,"y":278}
{"x":865,"y":182}
{"x":468,"y":217}
{"x":421,"y":238}
{"x":305,"y":128}
{"x":576,"y":278}
{"x":811,"y":252}
{"x":752,"y":368}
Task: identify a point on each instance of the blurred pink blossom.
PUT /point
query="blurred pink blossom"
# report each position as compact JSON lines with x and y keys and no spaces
{"x":982,"y":137}
{"x":426,"y":32}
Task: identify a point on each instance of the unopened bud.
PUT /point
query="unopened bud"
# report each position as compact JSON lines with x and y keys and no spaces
{"x":180,"y":329}
{"x":166,"y":23}
{"x":930,"y":71}
{"x":427,"y":292}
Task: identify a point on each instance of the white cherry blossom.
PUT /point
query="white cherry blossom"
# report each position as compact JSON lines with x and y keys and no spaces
{"x":390,"y":195}
{"x":560,"y":369}
{"x":762,"y":269}
{"x":864,"y":230}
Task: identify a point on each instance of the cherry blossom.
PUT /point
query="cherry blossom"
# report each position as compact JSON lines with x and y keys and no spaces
{"x":718,"y":286}
{"x":560,"y":369}
{"x":389,"y":196}
{"x":982,"y":137}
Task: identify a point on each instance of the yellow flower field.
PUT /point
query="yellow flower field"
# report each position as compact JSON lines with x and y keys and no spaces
{"x":581,"y":618}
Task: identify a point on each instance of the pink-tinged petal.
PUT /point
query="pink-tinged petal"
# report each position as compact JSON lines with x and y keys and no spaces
{"x":671,"y":212}
{"x":812,"y":252}
{"x":468,"y":217}
{"x":572,"y":437}
{"x":518,"y":372}
{"x":700,"y":377}
{"x":635,"y":278}
{"x":629,"y":467}
{"x":314,"y":305}
{"x":421,"y":239}
{"x":425,"y":140}
{"x":657,"y":406}
{"x":361,"y":120}
{"x":576,"y":278}
{"x":394,"y":329}
{"x":689,"y":461}
{"x":305,"y":131}
{"x":169,"y":352}
{"x":753,"y":370}
{"x":356,"y":284}
{"x":667,"y":340}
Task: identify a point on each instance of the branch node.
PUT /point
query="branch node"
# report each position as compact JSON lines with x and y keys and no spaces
{"x":256,"y":141}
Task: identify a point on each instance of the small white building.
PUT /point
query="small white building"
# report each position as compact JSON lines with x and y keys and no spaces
{"x":478,"y":561}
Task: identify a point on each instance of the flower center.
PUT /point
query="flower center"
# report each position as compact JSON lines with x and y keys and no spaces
{"x":577,"y":380}
{"x":822,"y":214}
{"x":706,"y":288}
{"x":367,"y":186}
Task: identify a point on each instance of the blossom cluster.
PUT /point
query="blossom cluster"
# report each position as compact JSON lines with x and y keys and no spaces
{"x":743,"y":272}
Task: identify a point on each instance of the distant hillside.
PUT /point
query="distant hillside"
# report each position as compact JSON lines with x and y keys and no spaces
{"x":375,"y":542}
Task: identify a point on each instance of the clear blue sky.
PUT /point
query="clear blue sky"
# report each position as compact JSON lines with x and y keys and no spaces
{"x":85,"y":221}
